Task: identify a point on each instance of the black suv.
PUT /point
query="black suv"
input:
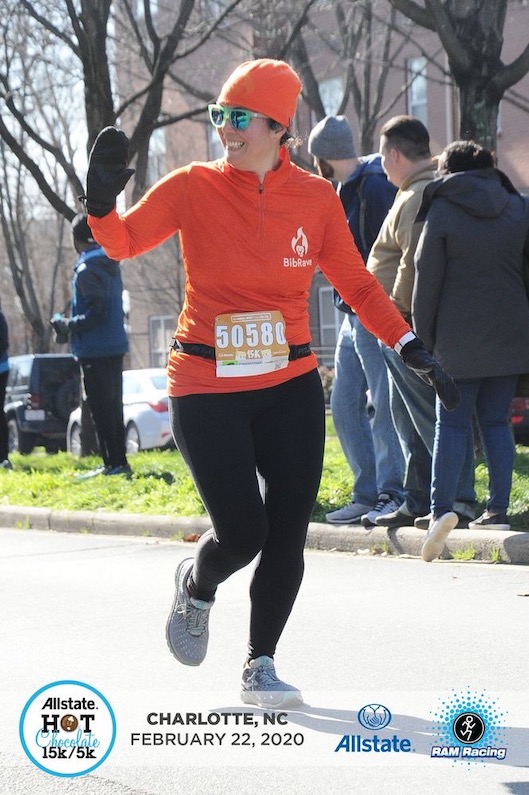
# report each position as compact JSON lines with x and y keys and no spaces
{"x":42,"y":390}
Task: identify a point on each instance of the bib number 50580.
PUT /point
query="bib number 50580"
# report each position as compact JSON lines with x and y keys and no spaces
{"x":250,"y":335}
{"x":250,"y":343}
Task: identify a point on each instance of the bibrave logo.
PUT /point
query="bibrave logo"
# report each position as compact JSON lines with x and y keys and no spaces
{"x":300,"y":246}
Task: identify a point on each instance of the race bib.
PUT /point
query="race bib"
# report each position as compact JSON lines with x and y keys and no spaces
{"x":250,"y":343}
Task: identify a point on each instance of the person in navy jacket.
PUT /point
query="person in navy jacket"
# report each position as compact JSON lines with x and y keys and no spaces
{"x":98,"y":340}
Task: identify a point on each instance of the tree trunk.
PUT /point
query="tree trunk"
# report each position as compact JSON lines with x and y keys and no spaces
{"x":478,"y":114}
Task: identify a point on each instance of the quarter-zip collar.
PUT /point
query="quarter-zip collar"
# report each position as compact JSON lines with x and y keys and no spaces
{"x":248,"y":180}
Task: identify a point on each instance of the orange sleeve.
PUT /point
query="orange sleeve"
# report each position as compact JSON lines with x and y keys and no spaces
{"x":151,"y":221}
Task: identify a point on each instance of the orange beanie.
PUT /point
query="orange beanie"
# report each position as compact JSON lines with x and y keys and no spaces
{"x":265,"y":86}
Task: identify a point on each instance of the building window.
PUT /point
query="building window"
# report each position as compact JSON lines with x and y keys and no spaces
{"x":157,"y":156}
{"x":330,"y":322}
{"x":417,"y":89}
{"x":331,"y":94}
{"x":161,"y":329}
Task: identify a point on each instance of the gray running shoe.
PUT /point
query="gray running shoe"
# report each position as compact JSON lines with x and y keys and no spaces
{"x":260,"y":686}
{"x":402,"y":517}
{"x":349,"y":514}
{"x":187,"y":626}
{"x":385,"y":505}
{"x":439,"y":531}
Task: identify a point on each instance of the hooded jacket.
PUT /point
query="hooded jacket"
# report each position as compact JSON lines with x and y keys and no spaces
{"x":96,"y":325}
{"x":469,"y":303}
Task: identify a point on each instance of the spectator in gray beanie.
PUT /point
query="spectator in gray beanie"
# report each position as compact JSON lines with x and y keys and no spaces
{"x":371,"y":447}
{"x":332,"y":139}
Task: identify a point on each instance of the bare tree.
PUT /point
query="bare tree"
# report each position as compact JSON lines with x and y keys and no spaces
{"x":364,"y":44}
{"x":471,"y":32}
{"x":357,"y":41}
{"x":62,"y":80}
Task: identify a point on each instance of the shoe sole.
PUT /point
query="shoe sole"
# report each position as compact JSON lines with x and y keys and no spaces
{"x":436,"y":538}
{"x":287,"y":698}
{"x":504,"y":527}
{"x":461,"y":525}
{"x":355,"y":520}
{"x":176,"y":652}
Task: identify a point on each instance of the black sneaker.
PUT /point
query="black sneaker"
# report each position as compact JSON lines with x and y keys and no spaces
{"x":124,"y":469}
{"x":497,"y":521}
{"x":402,"y":517}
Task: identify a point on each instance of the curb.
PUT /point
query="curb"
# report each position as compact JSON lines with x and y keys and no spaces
{"x":491,"y":546}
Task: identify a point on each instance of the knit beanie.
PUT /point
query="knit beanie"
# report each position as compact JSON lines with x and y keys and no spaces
{"x":265,"y":86}
{"x":332,"y":139}
{"x":80,"y":229}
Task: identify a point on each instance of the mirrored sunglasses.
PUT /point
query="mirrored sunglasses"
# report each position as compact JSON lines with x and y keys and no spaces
{"x":239,"y":118}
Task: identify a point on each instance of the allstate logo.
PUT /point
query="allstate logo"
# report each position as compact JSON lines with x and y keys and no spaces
{"x":374,"y":716}
{"x":67,"y":728}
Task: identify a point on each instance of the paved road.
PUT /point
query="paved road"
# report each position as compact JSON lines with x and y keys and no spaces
{"x":425,"y":641}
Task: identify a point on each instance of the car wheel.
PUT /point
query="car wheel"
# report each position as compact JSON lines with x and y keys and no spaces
{"x":132,"y":439}
{"x":19,"y":442}
{"x":74,"y":439}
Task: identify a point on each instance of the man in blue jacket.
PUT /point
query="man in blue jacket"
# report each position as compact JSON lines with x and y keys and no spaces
{"x":99,"y":341}
{"x":371,"y":445}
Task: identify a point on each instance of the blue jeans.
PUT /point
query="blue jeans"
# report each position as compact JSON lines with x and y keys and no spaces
{"x":371,"y":447}
{"x":413,"y":408}
{"x":491,"y":399}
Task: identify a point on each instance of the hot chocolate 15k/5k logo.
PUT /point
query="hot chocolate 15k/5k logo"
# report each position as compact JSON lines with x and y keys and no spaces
{"x":67,"y":728}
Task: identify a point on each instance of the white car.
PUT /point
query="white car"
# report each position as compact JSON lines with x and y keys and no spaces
{"x":145,"y":413}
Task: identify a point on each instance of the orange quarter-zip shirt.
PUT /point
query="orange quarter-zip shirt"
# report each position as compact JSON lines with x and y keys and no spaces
{"x":249,"y":247}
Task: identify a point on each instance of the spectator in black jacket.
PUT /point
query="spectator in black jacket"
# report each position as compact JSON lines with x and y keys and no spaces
{"x":470,"y":307}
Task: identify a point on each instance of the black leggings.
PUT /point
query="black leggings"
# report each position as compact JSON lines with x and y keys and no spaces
{"x":224,"y":439}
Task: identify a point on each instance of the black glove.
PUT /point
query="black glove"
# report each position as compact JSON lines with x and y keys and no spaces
{"x":418,"y":359}
{"x":107,"y":171}
{"x":61,"y":327}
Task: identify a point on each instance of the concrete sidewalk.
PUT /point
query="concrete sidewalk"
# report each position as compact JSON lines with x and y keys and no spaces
{"x":481,"y":545}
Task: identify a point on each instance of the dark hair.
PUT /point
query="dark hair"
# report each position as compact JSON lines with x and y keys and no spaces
{"x":80,"y":230}
{"x":409,"y":136}
{"x":466,"y":156}
{"x":287,"y":139}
